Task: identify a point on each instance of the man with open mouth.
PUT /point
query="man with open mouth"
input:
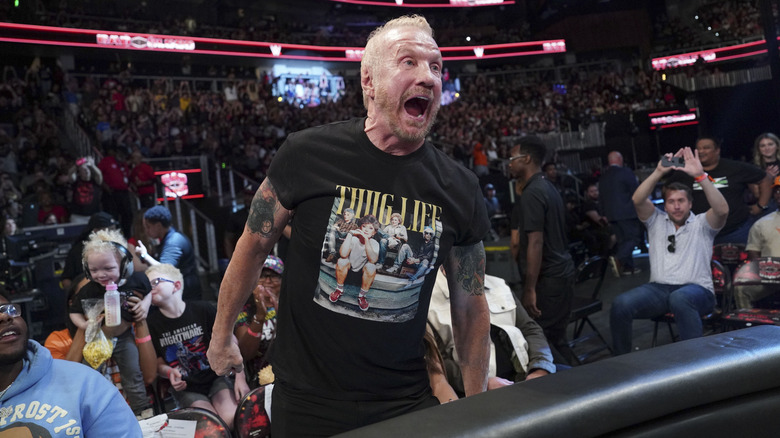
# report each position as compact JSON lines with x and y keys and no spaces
{"x":341,"y":362}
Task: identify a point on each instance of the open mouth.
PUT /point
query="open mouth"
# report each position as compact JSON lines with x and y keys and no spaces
{"x":416,"y":106}
{"x":9,"y":334}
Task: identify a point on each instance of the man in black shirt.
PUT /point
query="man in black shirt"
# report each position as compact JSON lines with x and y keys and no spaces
{"x":545,"y":263}
{"x":731,"y":178}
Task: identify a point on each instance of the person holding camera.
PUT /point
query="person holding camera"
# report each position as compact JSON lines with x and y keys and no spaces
{"x":732,"y":179}
{"x":680,"y":253}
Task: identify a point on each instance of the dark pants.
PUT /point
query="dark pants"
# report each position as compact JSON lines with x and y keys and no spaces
{"x":627,"y":233}
{"x":298,"y":414}
{"x":688,"y":302}
{"x":553,"y":299}
{"x":118,"y":204}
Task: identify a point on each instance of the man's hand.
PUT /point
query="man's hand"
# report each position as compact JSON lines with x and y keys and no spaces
{"x":240,"y":387}
{"x":498,"y":382}
{"x":225,"y":357}
{"x":529,"y":303}
{"x":140,"y":307}
{"x":174,"y":375}
{"x":140,"y":250}
{"x":693,"y":165}
{"x":536,"y":374}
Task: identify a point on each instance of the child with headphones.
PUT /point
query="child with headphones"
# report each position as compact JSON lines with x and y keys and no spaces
{"x":106,"y":259}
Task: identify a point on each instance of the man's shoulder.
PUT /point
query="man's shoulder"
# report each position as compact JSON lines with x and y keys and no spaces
{"x":343,"y":127}
{"x":768,"y":223}
{"x":727,"y":165}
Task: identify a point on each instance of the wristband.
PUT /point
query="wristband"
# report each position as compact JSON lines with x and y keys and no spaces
{"x":252,"y":334}
{"x":701,"y":177}
{"x":170,"y":370}
{"x":145,"y":339}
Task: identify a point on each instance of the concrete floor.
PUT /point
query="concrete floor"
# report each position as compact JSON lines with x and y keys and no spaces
{"x":611,"y":288}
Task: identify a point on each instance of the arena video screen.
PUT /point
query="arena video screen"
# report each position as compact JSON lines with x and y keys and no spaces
{"x":180,"y":183}
{"x":308,"y":90}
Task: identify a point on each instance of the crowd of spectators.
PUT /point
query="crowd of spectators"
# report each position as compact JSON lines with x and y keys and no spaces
{"x":713,"y":22}
{"x":731,"y":19}
{"x":347,"y":24}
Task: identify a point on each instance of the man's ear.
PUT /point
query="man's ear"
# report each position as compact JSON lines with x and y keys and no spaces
{"x":367,"y":82}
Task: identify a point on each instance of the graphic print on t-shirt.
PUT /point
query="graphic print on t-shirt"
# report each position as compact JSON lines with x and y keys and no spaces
{"x":377,"y":250}
{"x":185,"y":349}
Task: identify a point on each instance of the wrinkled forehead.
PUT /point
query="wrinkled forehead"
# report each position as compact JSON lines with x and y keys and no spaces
{"x":410,"y":38}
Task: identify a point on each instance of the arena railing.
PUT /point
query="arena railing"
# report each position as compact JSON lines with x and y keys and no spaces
{"x":720,"y":79}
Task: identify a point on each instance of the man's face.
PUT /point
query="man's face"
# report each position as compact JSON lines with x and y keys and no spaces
{"x":677,"y":206}
{"x":551,"y":173}
{"x":708,"y":154}
{"x":152,"y":229}
{"x":593,"y":193}
{"x":428,"y":235}
{"x":515,"y":162}
{"x":407,"y":83}
{"x":348,"y":215}
{"x":776,"y":193}
{"x":13,"y":338}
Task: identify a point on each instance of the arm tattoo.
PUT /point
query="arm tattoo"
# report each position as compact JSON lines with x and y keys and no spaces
{"x":264,"y":207}
{"x":469,"y":263}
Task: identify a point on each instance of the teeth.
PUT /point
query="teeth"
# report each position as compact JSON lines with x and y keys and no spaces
{"x":11,"y":333}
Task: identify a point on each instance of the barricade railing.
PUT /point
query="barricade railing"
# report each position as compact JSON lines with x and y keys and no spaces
{"x":720,"y":79}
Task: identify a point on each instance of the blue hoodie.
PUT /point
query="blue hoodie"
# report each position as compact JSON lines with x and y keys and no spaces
{"x":65,"y":399}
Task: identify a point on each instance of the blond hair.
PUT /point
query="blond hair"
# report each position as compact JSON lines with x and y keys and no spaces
{"x":100,"y":241}
{"x":759,"y":159}
{"x":165,"y":270}
{"x":373,"y":51}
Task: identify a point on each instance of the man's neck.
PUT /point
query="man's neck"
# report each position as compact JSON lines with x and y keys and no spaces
{"x":527,"y":174}
{"x":9,"y":373}
{"x":709,"y":167}
{"x":384,"y":140}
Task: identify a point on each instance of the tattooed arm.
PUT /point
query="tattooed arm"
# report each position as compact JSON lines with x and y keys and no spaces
{"x":470,"y":317}
{"x":267,"y":218}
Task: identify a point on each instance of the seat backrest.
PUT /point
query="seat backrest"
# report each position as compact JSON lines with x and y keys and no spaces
{"x":729,"y":254}
{"x":209,"y":424}
{"x":251,"y":419}
{"x":594,"y":269}
{"x":721,"y":280}
{"x":762,"y":270}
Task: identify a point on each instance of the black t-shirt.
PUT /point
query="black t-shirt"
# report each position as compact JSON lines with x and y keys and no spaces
{"x":541,"y":209}
{"x":182,"y":342}
{"x":731,"y":179}
{"x":137,"y":284}
{"x":335,"y":349}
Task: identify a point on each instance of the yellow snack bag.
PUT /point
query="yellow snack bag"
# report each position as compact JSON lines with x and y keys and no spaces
{"x":98,"y":348}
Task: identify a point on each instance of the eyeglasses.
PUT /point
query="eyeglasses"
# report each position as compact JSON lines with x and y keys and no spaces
{"x":670,"y":248}
{"x":157,"y":281}
{"x":517,"y":156}
{"x":11,"y":310}
{"x":274,"y":278}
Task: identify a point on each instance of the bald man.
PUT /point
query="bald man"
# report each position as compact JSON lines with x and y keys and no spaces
{"x":617,"y":184}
